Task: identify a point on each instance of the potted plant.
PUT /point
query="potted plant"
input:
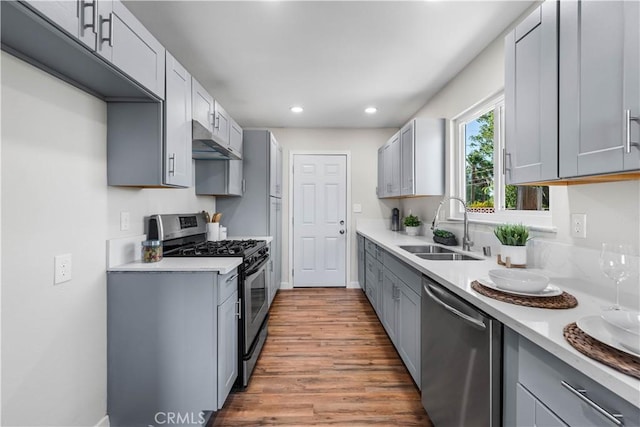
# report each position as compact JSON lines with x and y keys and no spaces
{"x":444,"y":237}
{"x":513,"y":239}
{"x":412,"y":225}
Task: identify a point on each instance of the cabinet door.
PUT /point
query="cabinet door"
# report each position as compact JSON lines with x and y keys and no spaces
{"x":227,"y":347}
{"x":221,"y":124}
{"x":361,"y":263}
{"x":273,"y":232}
{"x":531,"y":413}
{"x":371,"y":278}
{"x":381,"y":189}
{"x":235,"y":138}
{"x":392,"y":166}
{"x":279,"y":167}
{"x":389,"y":316}
{"x":76,"y":17}
{"x":128,"y":45}
{"x":408,"y":342}
{"x":202,"y":105}
{"x":598,"y":84}
{"x":407,"y":156}
{"x":273,"y":167}
{"x":177,"y":125}
{"x":235,"y":178}
{"x":531,"y":97}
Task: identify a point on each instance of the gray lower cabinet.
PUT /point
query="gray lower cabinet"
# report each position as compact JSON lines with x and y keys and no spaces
{"x":541,"y":390}
{"x":374,"y":280}
{"x":171,"y":344}
{"x":599,"y":87}
{"x":127,"y":44}
{"x":531,"y":97}
{"x":275,"y":221}
{"x":219,"y":177}
{"x":149,"y":143}
{"x":390,"y":304}
{"x":228,"y":312}
{"x":408,"y":335}
{"x":361,"y":263}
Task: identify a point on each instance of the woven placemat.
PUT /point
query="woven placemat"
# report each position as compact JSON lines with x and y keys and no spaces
{"x":614,"y":358}
{"x":562,"y":301}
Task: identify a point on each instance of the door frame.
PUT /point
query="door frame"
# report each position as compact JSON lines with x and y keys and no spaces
{"x":290,"y":193}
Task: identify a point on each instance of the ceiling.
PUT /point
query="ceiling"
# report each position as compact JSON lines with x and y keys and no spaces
{"x":334,"y":58}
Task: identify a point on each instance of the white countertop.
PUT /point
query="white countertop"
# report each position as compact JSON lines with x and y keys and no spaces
{"x":221,"y":265}
{"x":541,"y":326}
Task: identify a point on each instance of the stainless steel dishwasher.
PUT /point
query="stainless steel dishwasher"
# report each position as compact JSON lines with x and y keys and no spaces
{"x":461,"y":360}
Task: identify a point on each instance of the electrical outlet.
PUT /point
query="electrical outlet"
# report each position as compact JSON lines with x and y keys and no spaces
{"x":125,"y":219}
{"x":579,"y":225}
{"x":62,"y":268}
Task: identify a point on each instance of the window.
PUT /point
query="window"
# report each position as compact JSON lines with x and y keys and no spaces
{"x":478,"y":169}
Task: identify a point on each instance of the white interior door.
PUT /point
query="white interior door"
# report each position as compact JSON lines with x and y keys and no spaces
{"x":319,"y":220}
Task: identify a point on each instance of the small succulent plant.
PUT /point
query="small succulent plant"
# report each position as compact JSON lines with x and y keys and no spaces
{"x":443,"y":233}
{"x":512,"y":234}
{"x":412,"y":221}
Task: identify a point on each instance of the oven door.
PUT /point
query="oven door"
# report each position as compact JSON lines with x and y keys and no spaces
{"x":255,"y":302}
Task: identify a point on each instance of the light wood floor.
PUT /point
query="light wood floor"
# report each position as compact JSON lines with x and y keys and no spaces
{"x":327,"y":360}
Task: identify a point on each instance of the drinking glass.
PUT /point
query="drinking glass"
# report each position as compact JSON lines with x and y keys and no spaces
{"x":615,"y":263}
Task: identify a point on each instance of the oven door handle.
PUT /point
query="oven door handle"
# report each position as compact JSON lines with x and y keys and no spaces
{"x":256,"y":269}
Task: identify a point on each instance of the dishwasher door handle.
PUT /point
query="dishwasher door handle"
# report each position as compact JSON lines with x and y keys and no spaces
{"x":474,"y":322}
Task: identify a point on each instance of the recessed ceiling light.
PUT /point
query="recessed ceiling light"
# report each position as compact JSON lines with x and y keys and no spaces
{"x":296,"y":109}
{"x":370,"y":110}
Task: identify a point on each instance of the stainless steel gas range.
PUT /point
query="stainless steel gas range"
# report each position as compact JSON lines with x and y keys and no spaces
{"x":185,"y":235}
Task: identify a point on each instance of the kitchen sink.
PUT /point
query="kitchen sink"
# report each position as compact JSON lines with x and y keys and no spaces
{"x":427,"y":249}
{"x":450,"y":256}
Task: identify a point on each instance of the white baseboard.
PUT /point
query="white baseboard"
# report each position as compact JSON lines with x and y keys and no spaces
{"x":286,"y":285}
{"x":104,"y":422}
{"x":353,"y":285}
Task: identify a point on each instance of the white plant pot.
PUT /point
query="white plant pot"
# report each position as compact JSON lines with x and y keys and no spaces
{"x":412,"y":231}
{"x":516,"y":254}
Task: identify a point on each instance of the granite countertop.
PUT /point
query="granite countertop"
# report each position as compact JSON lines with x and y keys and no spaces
{"x":221,"y":265}
{"x":543,"y":327}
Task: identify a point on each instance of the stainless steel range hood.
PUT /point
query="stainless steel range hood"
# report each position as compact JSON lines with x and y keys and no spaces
{"x":206,"y":145}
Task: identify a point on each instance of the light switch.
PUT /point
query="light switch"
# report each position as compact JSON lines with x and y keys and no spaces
{"x":357,"y":208}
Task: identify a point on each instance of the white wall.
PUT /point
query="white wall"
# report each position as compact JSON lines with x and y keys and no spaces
{"x":611,"y":208}
{"x":55,"y":200}
{"x":363,"y":145}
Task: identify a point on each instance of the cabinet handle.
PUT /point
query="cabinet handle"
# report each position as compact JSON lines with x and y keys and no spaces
{"x":172,"y":164}
{"x":231,"y":278}
{"x":239,"y":308}
{"x":627,"y":131}
{"x":110,"y":21}
{"x":94,"y":15}
{"x":504,"y":161}
{"x":616,"y":419}
{"x":216,"y":124}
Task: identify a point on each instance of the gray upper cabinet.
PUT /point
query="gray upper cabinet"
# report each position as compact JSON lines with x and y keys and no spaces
{"x":235,"y":137}
{"x":422,"y":157}
{"x":531,"y":97}
{"x":599,"y":87}
{"x":149,"y":143}
{"x":275,"y":166}
{"x":391,"y":167}
{"x":127,"y":44}
{"x":177,"y":170}
{"x":221,"y":124}
{"x":380,"y":189}
{"x":202,"y":106}
{"x":76,"y":17}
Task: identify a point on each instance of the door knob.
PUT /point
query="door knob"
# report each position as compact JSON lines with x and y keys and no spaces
{"x":341,"y":231}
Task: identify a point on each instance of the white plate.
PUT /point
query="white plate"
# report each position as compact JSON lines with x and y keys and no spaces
{"x":594,"y":327}
{"x":549,"y":291}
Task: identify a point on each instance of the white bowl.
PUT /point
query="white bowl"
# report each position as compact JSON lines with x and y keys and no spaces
{"x":624,"y":326}
{"x":518,"y":280}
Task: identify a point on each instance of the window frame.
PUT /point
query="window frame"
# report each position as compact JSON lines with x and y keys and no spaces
{"x":541,"y":220}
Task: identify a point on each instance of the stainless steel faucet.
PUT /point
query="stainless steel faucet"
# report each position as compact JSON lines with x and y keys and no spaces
{"x":466,"y":241}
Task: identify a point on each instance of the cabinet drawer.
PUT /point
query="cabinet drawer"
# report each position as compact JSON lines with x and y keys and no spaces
{"x":550,"y":380}
{"x":407,"y":274}
{"x":370,"y":247}
{"x":227,"y":285}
